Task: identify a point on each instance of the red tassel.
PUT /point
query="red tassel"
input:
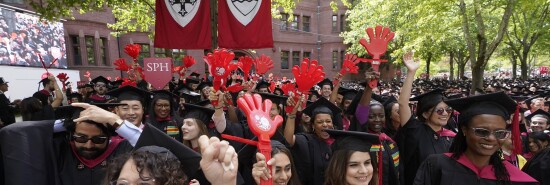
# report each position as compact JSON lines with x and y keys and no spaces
{"x":516,"y":139}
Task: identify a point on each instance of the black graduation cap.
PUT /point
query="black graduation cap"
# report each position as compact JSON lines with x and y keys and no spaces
{"x":203,"y":103}
{"x":115,"y":84}
{"x":528,"y":101}
{"x":204,"y":84}
{"x":494,"y":104}
{"x":72,"y":112}
{"x":198,"y":112}
{"x":151,"y":136}
{"x":326,"y":81}
{"x":278,"y":89}
{"x":192,"y":81}
{"x":354,"y":103}
{"x":348,"y":94}
{"x":352,"y":140}
{"x":520,"y":98}
{"x":74,"y":95}
{"x":322,"y":105}
{"x":100,"y":79}
{"x":195,"y":74}
{"x":263,"y":84}
{"x":191,"y":97}
{"x":454,"y":96}
{"x":131,"y":93}
{"x":165,"y":93}
{"x":389,"y":100}
{"x":276,"y":99}
{"x":428,"y":100}
{"x":314,"y":92}
{"x":538,"y":112}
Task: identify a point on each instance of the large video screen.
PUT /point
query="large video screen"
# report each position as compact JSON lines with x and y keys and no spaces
{"x":24,"y":39}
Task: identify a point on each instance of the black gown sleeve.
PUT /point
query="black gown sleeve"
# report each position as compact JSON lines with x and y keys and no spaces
{"x":429,"y":172}
{"x":539,"y":167}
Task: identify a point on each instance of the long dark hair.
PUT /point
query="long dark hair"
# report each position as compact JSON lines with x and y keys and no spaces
{"x":460,"y":145}
{"x":335,"y":174}
{"x":151,"y":116}
{"x":31,"y":109}
{"x":294,"y":179}
{"x":389,"y":123}
{"x":539,"y":137}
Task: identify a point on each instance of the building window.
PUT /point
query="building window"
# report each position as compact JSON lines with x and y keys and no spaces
{"x":305,"y":23}
{"x":342,"y":22}
{"x":307,"y":54}
{"x":294,"y":23}
{"x":284,"y":21}
{"x":284,"y":59}
{"x":160,"y":53}
{"x":103,"y":51}
{"x":342,"y":56}
{"x":177,"y":55}
{"x":90,"y":50}
{"x":77,"y":54}
{"x":143,"y":53}
{"x":334,"y":23}
{"x":295,"y":58}
{"x":334,"y":59}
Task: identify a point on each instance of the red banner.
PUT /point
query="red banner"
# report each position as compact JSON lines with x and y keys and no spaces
{"x":244,"y":24}
{"x":543,"y":69}
{"x":183,"y":25}
{"x":158,"y":71}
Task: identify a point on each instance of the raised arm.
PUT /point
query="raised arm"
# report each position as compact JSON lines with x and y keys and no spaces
{"x":58,"y":93}
{"x":291,"y":120}
{"x":361,"y":113}
{"x":412,"y":66}
{"x":336,"y":86}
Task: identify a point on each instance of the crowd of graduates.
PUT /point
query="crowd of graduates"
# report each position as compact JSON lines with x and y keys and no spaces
{"x":406,"y":131}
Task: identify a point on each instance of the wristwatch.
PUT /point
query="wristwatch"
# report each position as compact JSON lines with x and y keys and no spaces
{"x":118,"y":123}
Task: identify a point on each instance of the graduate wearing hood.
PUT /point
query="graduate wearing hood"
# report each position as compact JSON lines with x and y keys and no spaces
{"x":136,"y":102}
{"x":473,"y":158}
{"x":204,"y":89}
{"x":313,"y":148}
{"x":163,"y":114}
{"x":424,"y":134}
{"x":100,"y":89}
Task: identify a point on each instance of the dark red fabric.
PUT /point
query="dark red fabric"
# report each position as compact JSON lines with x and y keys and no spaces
{"x":487,"y":172}
{"x":167,"y":118}
{"x":232,"y":34}
{"x":197,"y":34}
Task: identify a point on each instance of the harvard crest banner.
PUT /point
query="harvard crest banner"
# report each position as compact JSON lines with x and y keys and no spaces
{"x":244,"y":24}
{"x":183,"y":24}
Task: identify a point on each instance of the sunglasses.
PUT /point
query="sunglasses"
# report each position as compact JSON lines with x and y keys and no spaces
{"x":485,"y":133}
{"x":440,"y":111}
{"x":85,"y":139}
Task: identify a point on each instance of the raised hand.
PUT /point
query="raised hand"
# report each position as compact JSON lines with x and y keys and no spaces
{"x":245,"y":64}
{"x":263,"y":64}
{"x":121,"y":65}
{"x":220,"y":66}
{"x":408,"y":60}
{"x":350,"y":64}
{"x":188,"y":61}
{"x":219,"y":161}
{"x":258,"y":115}
{"x":378,"y":41}
{"x":260,"y":169}
{"x":308,"y":74}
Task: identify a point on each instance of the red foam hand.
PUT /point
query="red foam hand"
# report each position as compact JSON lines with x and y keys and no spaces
{"x":87,"y":75}
{"x":234,"y":88}
{"x":350,"y":64}
{"x":272,"y":86}
{"x":117,"y":78}
{"x":308,"y":74}
{"x":220,"y":65}
{"x":179,"y":70}
{"x":127,"y":81}
{"x":263,"y":64}
{"x":188,"y":61}
{"x":378,"y":41}
{"x":121,"y":65}
{"x":288,"y":87}
{"x":62,"y":77}
{"x":258,"y":116}
{"x":133,"y":50}
{"x":245,"y":64}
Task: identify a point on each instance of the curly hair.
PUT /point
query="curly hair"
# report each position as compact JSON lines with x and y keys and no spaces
{"x":164,"y":168}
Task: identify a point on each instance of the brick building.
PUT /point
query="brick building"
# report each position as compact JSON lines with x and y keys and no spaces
{"x":312,"y":33}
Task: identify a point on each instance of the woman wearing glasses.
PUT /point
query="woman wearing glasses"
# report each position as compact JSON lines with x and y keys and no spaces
{"x":473,"y":157}
{"x":424,"y":135}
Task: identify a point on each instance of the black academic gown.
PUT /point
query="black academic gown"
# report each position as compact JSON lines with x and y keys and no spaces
{"x":416,"y":141}
{"x":392,"y":171}
{"x":312,"y":157}
{"x":6,"y":111}
{"x":444,"y":170}
{"x":171,"y":127}
{"x":539,"y":167}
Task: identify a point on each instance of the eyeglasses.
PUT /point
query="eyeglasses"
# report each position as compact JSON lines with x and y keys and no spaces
{"x":484,"y":133}
{"x":440,"y":111}
{"x":139,"y":182}
{"x":85,"y":139}
{"x":162,"y":105}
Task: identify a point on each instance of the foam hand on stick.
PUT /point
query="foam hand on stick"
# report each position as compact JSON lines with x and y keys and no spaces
{"x":245,"y":64}
{"x":220,"y":66}
{"x":350,"y":64}
{"x":377,"y":47}
{"x":307,"y":75}
{"x":63,"y":79}
{"x":263,"y":64}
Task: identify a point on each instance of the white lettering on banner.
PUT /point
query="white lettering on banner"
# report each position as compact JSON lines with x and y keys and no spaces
{"x":244,"y":10}
{"x":158,"y":67}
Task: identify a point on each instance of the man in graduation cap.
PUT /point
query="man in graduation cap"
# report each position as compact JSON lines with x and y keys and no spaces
{"x":263,"y":87}
{"x":45,"y":95}
{"x":135,"y":100}
{"x":80,"y":148}
{"x":539,"y":121}
{"x":7,"y":109}
{"x":326,"y":88}
{"x":100,"y":89}
{"x":204,"y":89}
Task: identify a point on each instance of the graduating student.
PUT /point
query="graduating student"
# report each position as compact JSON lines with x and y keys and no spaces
{"x":7,"y":115}
{"x":424,"y":135}
{"x":46,"y":95}
{"x":283,"y":168}
{"x":326,"y":88}
{"x":313,"y":149}
{"x":352,"y":161}
{"x":163,"y":114}
{"x":538,"y":166}
{"x":539,"y":121}
{"x":135,"y":101}
{"x":100,"y":89}
{"x":474,"y":157}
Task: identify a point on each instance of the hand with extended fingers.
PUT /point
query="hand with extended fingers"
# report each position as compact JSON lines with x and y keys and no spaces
{"x":308,"y":74}
{"x":378,"y":41}
{"x":245,"y":63}
{"x":408,"y":60}
{"x":258,"y":115}
{"x":350,"y":64}
{"x":263,"y":64}
{"x":188,"y":61}
{"x":220,"y":65}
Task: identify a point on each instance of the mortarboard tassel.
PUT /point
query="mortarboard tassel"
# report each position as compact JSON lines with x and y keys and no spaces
{"x":516,"y":139}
